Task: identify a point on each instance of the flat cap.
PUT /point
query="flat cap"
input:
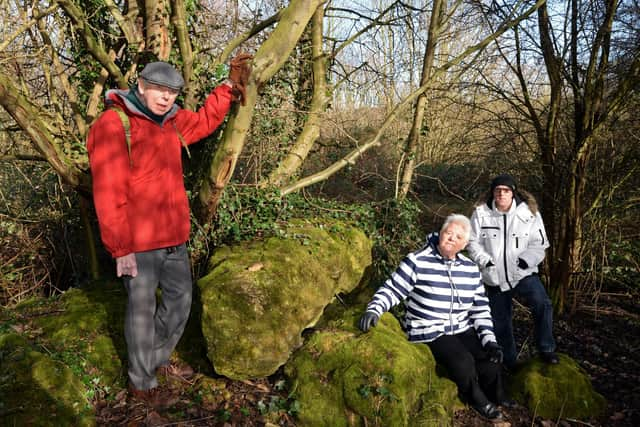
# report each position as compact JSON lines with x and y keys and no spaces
{"x":162,"y":74}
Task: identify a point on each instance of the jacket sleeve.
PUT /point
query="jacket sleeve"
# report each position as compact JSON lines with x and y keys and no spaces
{"x":194,"y":126}
{"x":475,"y":248}
{"x":110,"y":172}
{"x":480,"y":314}
{"x":395,"y":289}
{"x":537,"y":243}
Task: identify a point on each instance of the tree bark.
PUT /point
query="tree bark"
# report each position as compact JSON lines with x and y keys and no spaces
{"x":157,"y":28}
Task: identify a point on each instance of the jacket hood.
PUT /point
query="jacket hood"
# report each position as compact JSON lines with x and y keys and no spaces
{"x":433,"y":239}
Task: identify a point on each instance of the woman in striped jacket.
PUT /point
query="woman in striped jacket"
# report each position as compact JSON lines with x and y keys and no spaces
{"x":446,"y":308}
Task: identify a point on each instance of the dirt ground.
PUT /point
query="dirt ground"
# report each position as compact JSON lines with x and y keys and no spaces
{"x":603,"y":339}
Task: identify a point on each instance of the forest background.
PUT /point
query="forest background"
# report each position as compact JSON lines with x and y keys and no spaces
{"x":400,"y":111}
{"x":390,"y":114}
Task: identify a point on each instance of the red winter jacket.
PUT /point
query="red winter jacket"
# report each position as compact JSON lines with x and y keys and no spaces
{"x":143,"y":205}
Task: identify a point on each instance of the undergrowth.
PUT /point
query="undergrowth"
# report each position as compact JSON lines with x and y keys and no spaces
{"x":247,"y":213}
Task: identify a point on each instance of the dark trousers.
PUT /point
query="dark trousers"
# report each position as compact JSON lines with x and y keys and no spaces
{"x":478,"y":379}
{"x":153,"y":328}
{"x":532,"y":294}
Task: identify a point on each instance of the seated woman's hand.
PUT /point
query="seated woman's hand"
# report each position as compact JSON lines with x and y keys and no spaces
{"x":494,"y":351}
{"x":368,"y":320}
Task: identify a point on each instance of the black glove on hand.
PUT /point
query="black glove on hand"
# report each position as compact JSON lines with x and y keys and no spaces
{"x":522,"y":264}
{"x":368,"y":320}
{"x":240,"y":70}
{"x":494,"y":351}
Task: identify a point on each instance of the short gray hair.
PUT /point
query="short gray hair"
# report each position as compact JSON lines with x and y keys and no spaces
{"x":458,"y":219}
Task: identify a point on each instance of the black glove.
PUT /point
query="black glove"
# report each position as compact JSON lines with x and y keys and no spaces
{"x":494,"y":351}
{"x":368,"y":320}
{"x":489,"y":264}
{"x":522,"y":264}
{"x":240,"y":70}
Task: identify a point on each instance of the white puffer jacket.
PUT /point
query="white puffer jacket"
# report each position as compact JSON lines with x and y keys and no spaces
{"x":525,"y":237}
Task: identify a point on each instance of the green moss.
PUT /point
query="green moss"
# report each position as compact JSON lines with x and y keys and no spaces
{"x":68,"y":347}
{"x":342,"y":377}
{"x":36,"y":390}
{"x":86,"y":331}
{"x":102,"y":353}
{"x":557,"y":391}
{"x":259,"y":296}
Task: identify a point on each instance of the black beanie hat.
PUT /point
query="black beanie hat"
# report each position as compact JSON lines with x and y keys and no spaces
{"x":504,"y":179}
{"x":162,"y":74}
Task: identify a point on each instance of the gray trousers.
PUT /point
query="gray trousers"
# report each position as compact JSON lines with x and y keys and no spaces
{"x":153,"y":326}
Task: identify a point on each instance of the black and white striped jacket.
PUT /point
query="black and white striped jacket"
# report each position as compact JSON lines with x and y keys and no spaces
{"x":442,"y":297}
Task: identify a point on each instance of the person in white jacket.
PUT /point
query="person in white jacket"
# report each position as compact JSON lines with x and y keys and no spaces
{"x":508,"y":242}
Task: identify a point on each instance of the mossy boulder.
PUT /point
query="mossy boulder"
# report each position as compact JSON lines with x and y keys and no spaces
{"x":342,"y":377}
{"x":36,"y":390}
{"x":57,"y":354}
{"x":259,"y":296}
{"x":556,"y":391}
{"x":87,"y":326}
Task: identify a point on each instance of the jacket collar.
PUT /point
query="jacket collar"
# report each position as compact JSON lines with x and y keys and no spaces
{"x":121,"y":98}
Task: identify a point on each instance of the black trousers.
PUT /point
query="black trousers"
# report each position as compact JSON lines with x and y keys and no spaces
{"x":478,"y":379}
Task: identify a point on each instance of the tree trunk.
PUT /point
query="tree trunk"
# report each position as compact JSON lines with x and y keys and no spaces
{"x":412,"y":146}
{"x":157,"y":25}
{"x":590,"y":109}
{"x":41,"y":130}
{"x":268,"y":59}
{"x":179,"y":21}
{"x":311,"y":130}
{"x":92,"y":252}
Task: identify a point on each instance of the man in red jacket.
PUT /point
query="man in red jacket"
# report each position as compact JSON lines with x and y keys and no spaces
{"x":135,"y":156}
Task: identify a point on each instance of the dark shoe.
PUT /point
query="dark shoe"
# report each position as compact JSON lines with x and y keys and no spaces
{"x":154,"y":397}
{"x":181,"y":372}
{"x":549,"y":357}
{"x":489,"y":411}
{"x":507,"y":403}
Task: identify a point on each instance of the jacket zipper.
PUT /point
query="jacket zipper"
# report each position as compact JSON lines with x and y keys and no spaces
{"x":506,"y":271}
{"x":451,"y":306}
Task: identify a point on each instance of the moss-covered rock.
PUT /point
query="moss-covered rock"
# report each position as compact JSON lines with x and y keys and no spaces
{"x":62,"y":352}
{"x":86,"y":331}
{"x":259,"y":296}
{"x":556,"y":391}
{"x":36,"y":390}
{"x":342,"y":377}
